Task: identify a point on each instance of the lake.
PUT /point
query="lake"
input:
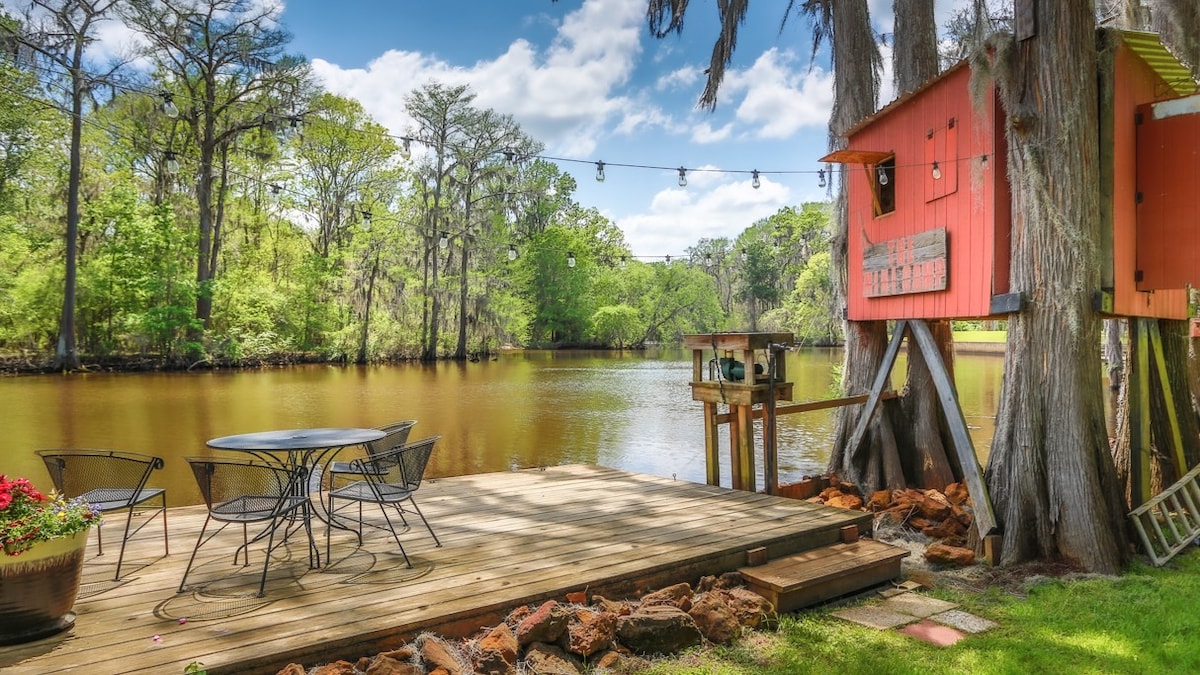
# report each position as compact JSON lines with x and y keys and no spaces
{"x":627,"y":410}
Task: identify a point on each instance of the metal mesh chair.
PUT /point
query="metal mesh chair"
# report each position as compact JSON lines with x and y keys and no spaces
{"x":109,"y":480}
{"x":397,"y":434}
{"x":249,"y":491}
{"x":389,"y":479}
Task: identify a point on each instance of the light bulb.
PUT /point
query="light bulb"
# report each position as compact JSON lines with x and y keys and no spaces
{"x":512,"y":252}
{"x":937,"y":172}
{"x":821,"y":178}
{"x":754,"y":181}
{"x":444,"y":241}
{"x":570,"y":259}
{"x":600,"y":172}
{"x":366,"y":217}
{"x":172,"y":162}
{"x":983,"y":162}
{"x":708,"y":260}
{"x":276,"y":188}
{"x":406,"y":147}
{"x":745,"y":255}
{"x":169,"y":107}
{"x":668,"y":261}
{"x":682,"y":177}
{"x":883,"y":177}
{"x":623,"y":262}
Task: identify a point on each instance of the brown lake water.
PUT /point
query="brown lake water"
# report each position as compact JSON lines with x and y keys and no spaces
{"x":630,"y":410}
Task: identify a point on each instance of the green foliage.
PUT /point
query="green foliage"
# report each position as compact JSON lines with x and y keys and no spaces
{"x":616,"y":325}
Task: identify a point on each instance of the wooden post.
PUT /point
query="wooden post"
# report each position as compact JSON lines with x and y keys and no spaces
{"x":1168,"y":395}
{"x":1139,"y":413}
{"x":712,"y":444}
{"x":745,"y":425}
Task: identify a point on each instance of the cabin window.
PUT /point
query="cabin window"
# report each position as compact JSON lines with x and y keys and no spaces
{"x":884,"y":183}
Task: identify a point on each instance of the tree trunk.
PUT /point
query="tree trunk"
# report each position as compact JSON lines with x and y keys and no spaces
{"x":923,"y":436}
{"x":65,"y":355}
{"x":1050,"y":471}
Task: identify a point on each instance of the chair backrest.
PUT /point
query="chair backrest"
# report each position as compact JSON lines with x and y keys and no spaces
{"x":396,"y":434}
{"x":223,"y":480}
{"x":76,"y":471}
{"x":403,"y":465}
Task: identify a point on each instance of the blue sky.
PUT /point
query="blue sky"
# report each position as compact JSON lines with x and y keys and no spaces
{"x":586,"y":78}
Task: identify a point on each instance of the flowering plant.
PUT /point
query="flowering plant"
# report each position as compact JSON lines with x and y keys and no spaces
{"x":28,"y":516}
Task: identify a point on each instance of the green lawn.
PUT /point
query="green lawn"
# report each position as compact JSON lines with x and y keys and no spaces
{"x":1143,"y":622}
{"x":980,"y":335}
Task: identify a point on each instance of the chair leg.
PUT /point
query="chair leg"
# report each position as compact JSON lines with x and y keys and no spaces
{"x":166,"y":541}
{"x":124,"y":540}
{"x":383,"y":510}
{"x":422,"y":515}
{"x":199,"y":541}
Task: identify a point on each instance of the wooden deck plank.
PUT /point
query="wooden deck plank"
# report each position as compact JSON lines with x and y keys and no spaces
{"x":509,"y":538}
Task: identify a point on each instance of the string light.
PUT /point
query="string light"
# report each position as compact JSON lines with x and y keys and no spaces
{"x":821,"y":178}
{"x":983,"y":162}
{"x":883,"y":177}
{"x":276,"y":188}
{"x":600,"y":171}
{"x":512,"y":252}
{"x":682,"y":177}
{"x":708,"y":261}
{"x":444,"y":241}
{"x":169,"y":107}
{"x":668,"y":261}
{"x":366,"y":216}
{"x":937,"y":172}
{"x":754,"y":181}
{"x":623,"y":262}
{"x":172,"y":162}
{"x":406,"y":147}
{"x":744,"y":255}
{"x":570,"y":258}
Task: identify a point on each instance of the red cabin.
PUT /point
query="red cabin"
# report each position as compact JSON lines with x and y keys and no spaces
{"x":930,"y":206}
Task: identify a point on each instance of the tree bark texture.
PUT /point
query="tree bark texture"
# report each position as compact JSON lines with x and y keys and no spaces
{"x":1050,"y":471}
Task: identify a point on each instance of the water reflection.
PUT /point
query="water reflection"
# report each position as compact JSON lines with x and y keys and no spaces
{"x":631,"y":411}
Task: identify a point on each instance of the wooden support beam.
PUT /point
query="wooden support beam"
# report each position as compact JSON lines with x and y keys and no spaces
{"x":1139,"y":413}
{"x":712,"y":444}
{"x":1176,"y":433}
{"x":985,"y":519}
{"x":746,"y":442}
{"x":881,"y":379}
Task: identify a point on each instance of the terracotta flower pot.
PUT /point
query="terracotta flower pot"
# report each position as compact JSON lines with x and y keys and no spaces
{"x":38,"y":589}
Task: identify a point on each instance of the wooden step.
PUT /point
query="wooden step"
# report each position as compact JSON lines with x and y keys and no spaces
{"x":807,"y":578}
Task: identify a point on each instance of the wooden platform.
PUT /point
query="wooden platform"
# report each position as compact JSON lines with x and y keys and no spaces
{"x":508,"y":539}
{"x":807,"y":578}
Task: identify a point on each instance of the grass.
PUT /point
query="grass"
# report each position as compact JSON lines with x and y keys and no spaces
{"x":980,"y":335}
{"x":1142,"y":622}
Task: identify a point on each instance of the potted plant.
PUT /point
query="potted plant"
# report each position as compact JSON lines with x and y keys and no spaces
{"x":43,"y":538}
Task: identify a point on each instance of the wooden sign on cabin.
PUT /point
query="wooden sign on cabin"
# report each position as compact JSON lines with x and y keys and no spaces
{"x":930,"y":216}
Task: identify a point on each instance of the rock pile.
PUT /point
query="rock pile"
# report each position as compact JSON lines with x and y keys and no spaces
{"x":567,"y":638}
{"x":943,"y":516}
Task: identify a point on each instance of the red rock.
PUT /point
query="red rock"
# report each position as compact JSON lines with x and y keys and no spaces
{"x":815,"y":500}
{"x":293,"y":669}
{"x":545,"y":659}
{"x":829,"y":493}
{"x":844,"y":501}
{"x":661,"y":629}
{"x":546,"y":624}
{"x":879,"y":500}
{"x":715,"y":619}
{"x":336,"y":668}
{"x":933,"y":509}
{"x":677,"y":595}
{"x":614,"y":606}
{"x":577,"y":598}
{"x":591,"y":632}
{"x":949,"y":555}
{"x":957,"y":493}
{"x":497,"y":651}
{"x":438,"y":655}
{"x":751,"y":609}
{"x":606,"y":661}
{"x":383,"y":665}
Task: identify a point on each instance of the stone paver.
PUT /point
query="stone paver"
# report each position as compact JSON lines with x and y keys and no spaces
{"x":964,"y":621}
{"x":914,"y":604}
{"x":873,"y":616}
{"x":934,"y":633}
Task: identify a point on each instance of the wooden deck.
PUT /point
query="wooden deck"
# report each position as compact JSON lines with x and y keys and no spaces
{"x":508,"y":539}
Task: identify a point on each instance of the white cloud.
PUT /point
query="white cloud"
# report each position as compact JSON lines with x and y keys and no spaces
{"x":564,"y":95}
{"x":705,"y":133}
{"x":682,"y":78}
{"x":679,"y":217}
{"x":777,"y":98}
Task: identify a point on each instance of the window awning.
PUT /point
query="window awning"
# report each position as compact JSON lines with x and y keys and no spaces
{"x":871,"y":157}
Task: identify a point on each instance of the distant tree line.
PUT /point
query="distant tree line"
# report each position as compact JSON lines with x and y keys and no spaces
{"x":204,"y":199}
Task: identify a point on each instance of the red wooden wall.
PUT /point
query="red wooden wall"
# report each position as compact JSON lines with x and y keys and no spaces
{"x":1168,"y":178}
{"x":1134,"y":84}
{"x":970,"y":202}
